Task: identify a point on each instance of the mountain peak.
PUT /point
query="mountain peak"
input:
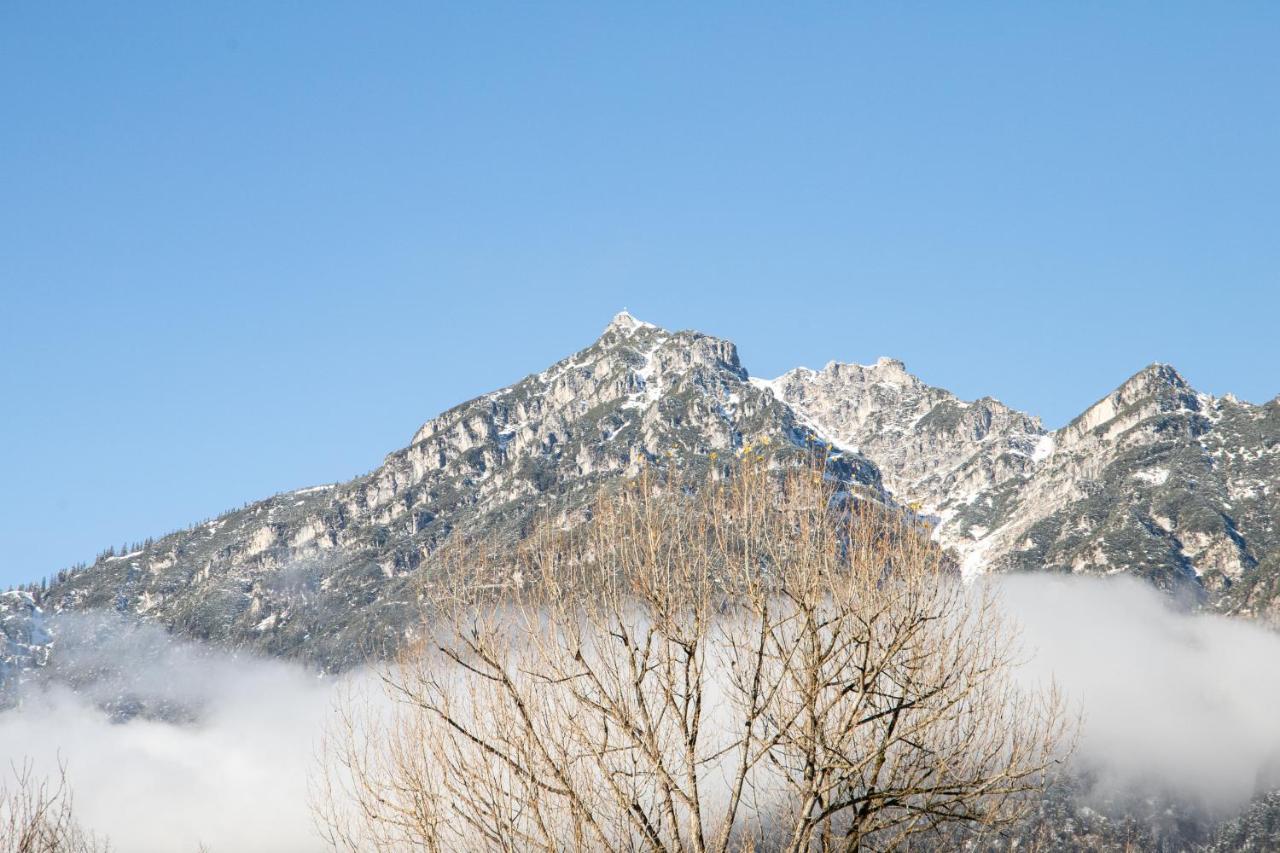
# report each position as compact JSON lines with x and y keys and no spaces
{"x":884,"y":362}
{"x":625,"y":322}
{"x":1155,"y":388}
{"x":1153,"y":378}
{"x":1164,"y":372}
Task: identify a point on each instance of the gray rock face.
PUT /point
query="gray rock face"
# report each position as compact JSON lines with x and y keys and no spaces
{"x":24,"y":639}
{"x":1155,"y":479}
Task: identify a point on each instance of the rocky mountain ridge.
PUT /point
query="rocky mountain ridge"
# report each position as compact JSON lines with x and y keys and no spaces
{"x":1155,"y":479}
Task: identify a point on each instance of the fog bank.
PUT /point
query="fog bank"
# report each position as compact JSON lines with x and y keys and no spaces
{"x":231,"y":774}
{"x":1172,"y":701}
{"x":1185,"y":702}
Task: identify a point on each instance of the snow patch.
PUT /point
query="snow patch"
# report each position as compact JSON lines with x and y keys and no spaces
{"x":650,"y":390}
{"x":624,"y":321}
{"x":973,"y":558}
{"x":1154,"y":476}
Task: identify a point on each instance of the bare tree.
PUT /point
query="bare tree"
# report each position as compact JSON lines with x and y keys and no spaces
{"x":761,"y":662}
{"x":36,"y":815}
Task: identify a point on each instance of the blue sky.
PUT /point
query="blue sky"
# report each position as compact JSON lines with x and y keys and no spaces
{"x":250,"y":247}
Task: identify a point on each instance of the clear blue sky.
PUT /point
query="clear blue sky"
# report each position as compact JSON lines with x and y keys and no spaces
{"x":250,"y":247}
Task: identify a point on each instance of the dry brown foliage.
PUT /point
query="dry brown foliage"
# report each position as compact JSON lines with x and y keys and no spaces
{"x":36,"y":815}
{"x":760,"y":662}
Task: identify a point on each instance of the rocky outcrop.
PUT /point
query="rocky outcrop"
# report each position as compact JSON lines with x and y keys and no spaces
{"x":24,"y":639}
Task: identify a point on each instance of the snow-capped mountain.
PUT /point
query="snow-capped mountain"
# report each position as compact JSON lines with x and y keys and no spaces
{"x":331,"y":573}
{"x":935,"y":452}
{"x":1154,"y":479}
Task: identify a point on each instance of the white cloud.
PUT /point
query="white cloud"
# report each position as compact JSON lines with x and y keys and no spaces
{"x":1182,"y":702}
{"x":234,"y":779}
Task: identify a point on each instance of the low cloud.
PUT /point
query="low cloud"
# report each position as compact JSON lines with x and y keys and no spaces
{"x":230,"y":775}
{"x":1183,"y":704}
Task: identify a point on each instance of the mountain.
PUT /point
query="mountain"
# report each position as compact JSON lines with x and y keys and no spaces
{"x":329,"y":572}
{"x":936,"y":453}
{"x":1155,"y":479}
